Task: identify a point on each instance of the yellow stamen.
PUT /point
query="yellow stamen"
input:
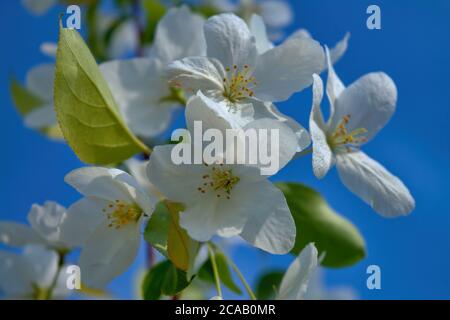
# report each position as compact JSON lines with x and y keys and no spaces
{"x":220,"y":181}
{"x":120,"y":213}
{"x":342,"y":140}
{"x":238,"y":84}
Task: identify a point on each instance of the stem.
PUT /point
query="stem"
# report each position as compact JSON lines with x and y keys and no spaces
{"x":61,"y":259}
{"x":215,"y":270}
{"x":241,"y":277}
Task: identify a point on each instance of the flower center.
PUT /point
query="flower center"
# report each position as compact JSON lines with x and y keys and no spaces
{"x":120,"y":213}
{"x":220,"y":181}
{"x":345,"y":141}
{"x":238,"y":83}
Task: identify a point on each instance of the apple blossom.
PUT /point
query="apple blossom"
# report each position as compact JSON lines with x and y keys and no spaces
{"x":39,"y":81}
{"x":227,"y":199}
{"x":49,"y":225}
{"x":233,"y":71}
{"x":34,"y":274}
{"x":357,"y":114}
{"x":112,"y":212}
{"x":38,"y":7}
{"x":139,"y":85}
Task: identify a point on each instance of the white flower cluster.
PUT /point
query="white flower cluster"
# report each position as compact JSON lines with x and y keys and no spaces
{"x":230,"y":75}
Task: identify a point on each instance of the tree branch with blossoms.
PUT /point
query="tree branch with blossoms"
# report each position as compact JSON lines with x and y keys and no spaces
{"x":219,"y":65}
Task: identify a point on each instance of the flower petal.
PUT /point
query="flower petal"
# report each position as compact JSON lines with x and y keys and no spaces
{"x":49,"y":49}
{"x":179,"y":34}
{"x":40,"y":80}
{"x":39,"y":265}
{"x":38,"y":7}
{"x":270,"y":226}
{"x":138,"y":86}
{"x":225,"y":217}
{"x":229,"y":40}
{"x":83,"y":217}
{"x":12,"y":283}
{"x":276,"y":14}
{"x":197,"y":73}
{"x":176,"y":182}
{"x":108,"y":253}
{"x":149,"y":120}
{"x":199,"y":219}
{"x":18,"y":235}
{"x":295,"y":282}
{"x":123,"y":41}
{"x":41,"y":118}
{"x":46,"y":220}
{"x":287,"y":68}
{"x":61,"y":289}
{"x":334,"y":85}
{"x":368,"y":179}
{"x":258,"y":29}
{"x":99,"y":182}
{"x":269,"y":110}
{"x":370,"y":101}
{"x":284,"y":144}
{"x":216,"y":115}
{"x":322,"y":158}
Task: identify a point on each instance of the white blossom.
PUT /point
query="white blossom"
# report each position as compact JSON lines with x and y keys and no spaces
{"x":48,"y":226}
{"x":39,"y":81}
{"x":227,"y":199}
{"x":357,"y":114}
{"x":32,"y":274}
{"x":38,"y":7}
{"x":139,"y":86}
{"x":234,"y":72}
{"x":112,"y":212}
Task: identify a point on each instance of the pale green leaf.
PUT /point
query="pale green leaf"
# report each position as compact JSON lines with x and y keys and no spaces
{"x":157,"y":229}
{"x":181,"y":249}
{"x":87,"y":113}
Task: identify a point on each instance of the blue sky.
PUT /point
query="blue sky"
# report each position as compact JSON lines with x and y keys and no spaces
{"x":413,"y":47}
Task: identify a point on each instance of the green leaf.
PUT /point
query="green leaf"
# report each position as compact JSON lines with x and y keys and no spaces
{"x":181,"y":249}
{"x":317,"y":222}
{"x":155,"y":10}
{"x":87,"y":113}
{"x":157,"y":229}
{"x":206,"y":272}
{"x":268,"y":284}
{"x":164,"y":233}
{"x":163,"y":279}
